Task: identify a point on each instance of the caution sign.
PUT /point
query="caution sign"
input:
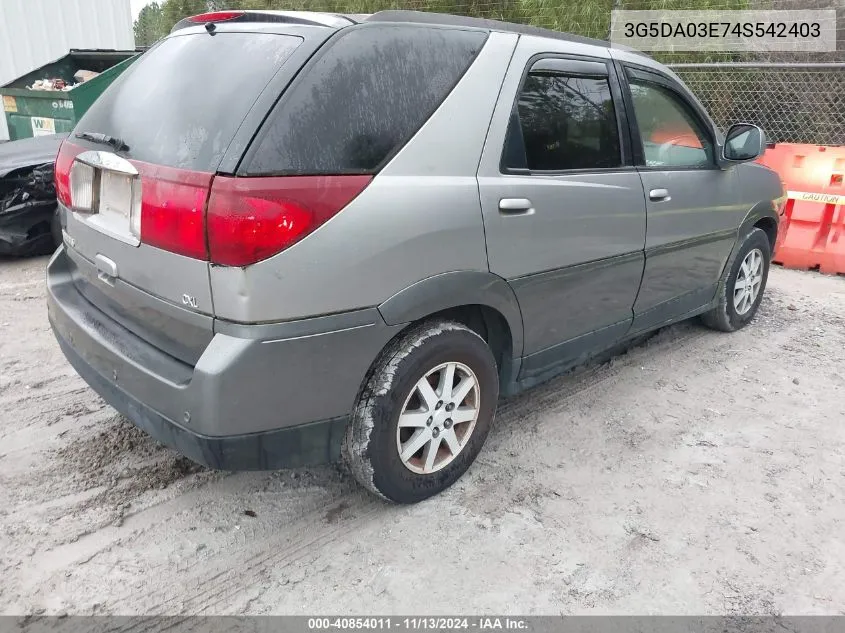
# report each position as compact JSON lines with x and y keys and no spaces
{"x":43,"y":126}
{"x":822,"y":198}
{"x":9,"y":104}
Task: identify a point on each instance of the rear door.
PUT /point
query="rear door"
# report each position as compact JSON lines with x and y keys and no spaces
{"x":564,"y":211}
{"x":145,"y":156}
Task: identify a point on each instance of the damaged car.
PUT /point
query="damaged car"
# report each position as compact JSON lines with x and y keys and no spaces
{"x":29,"y":223}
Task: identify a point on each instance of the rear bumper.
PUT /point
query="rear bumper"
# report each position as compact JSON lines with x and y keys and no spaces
{"x":259,"y":397}
{"x":284,"y":448}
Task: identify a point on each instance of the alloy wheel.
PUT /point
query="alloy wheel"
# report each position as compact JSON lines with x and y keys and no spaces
{"x":438,"y":418}
{"x":748,"y":281}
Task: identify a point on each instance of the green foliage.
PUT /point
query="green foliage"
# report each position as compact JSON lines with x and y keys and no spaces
{"x":175,"y":10}
{"x":149,"y":27}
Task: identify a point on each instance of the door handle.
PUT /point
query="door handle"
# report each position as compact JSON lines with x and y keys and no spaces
{"x":659,"y":195}
{"x":516,"y":206}
{"x":105,"y":265}
{"x":106,"y":269}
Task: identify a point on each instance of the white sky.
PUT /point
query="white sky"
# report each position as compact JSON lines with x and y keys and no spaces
{"x":137,"y":5}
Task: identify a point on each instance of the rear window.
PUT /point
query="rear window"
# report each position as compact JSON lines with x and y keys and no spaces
{"x":362,"y":100}
{"x":180,"y":104}
{"x":567,"y":122}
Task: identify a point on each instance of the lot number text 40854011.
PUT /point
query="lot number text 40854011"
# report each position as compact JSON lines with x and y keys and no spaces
{"x":418,"y":623}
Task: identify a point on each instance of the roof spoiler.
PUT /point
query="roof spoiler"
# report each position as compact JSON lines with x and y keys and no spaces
{"x":308,"y":18}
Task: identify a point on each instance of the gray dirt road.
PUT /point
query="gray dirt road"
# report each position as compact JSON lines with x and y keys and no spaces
{"x":698,"y":473}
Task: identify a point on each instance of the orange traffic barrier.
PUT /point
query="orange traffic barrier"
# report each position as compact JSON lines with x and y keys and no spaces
{"x":812,"y":231}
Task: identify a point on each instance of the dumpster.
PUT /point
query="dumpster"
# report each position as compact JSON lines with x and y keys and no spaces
{"x":55,"y":110}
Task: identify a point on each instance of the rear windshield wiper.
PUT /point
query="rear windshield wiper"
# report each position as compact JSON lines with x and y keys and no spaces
{"x":104,"y":139}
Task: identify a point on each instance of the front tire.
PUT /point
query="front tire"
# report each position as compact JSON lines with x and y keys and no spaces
{"x":743,"y":284}
{"x":424,"y":413}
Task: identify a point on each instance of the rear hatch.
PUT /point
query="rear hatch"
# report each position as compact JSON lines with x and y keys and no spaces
{"x":135,"y":174}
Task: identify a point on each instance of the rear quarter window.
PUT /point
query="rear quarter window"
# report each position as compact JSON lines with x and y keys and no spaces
{"x":566,"y":122}
{"x":181,"y":103}
{"x":360,"y":101}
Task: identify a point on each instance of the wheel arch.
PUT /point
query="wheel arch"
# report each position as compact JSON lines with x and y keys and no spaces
{"x":763,"y":215}
{"x":480,"y":300}
{"x":770,"y":226}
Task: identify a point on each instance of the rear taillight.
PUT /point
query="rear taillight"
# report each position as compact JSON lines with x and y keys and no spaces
{"x":82,"y":187}
{"x":229,"y":221}
{"x":61,"y":173}
{"x":173,"y":209}
{"x":251,"y":219}
{"x":215,"y":16}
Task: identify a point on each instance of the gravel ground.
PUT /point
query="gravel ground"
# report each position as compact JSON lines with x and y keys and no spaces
{"x":699,"y":473}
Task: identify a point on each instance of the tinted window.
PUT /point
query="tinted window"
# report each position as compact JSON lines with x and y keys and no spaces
{"x":363,"y":99}
{"x":566,"y":122}
{"x":182,"y":101}
{"x":671,"y":135}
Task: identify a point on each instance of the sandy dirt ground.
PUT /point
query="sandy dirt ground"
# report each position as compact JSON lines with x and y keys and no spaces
{"x":698,"y":473}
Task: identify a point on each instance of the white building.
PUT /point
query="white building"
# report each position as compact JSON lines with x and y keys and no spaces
{"x":36,"y":32}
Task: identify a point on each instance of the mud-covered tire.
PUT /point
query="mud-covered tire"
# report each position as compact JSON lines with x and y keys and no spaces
{"x":370,"y":446}
{"x":724,"y":315}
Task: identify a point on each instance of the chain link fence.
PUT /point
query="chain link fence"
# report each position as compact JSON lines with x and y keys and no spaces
{"x":793,"y":103}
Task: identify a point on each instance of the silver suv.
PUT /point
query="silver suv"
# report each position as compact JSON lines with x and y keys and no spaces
{"x":294,"y":236}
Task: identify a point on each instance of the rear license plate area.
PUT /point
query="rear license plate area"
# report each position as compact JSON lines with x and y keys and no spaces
{"x":115,"y":198}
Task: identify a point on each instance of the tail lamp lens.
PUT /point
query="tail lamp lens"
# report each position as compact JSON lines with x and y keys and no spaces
{"x":251,"y":219}
{"x":173,"y":209}
{"x":215,"y":16}
{"x":229,"y":221}
{"x":82,"y":187}
{"x":61,"y":172}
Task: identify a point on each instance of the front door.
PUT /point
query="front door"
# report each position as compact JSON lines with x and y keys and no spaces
{"x":563,"y":206}
{"x":692,"y":204}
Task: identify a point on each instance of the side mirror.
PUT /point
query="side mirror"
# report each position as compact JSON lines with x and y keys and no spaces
{"x":743,"y":142}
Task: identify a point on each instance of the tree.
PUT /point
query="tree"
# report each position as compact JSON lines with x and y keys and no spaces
{"x":175,"y":10}
{"x":149,"y":27}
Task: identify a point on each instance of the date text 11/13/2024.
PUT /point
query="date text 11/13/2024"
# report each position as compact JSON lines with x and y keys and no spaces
{"x":417,"y":623}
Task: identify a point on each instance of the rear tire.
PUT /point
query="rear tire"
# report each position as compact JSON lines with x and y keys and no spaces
{"x":736,"y":307}
{"x":437,"y":371}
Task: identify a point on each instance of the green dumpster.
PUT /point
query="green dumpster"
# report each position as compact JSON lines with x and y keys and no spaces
{"x":41,"y":112}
